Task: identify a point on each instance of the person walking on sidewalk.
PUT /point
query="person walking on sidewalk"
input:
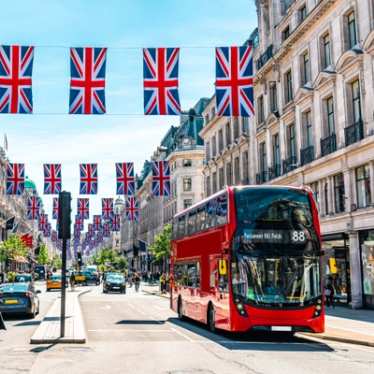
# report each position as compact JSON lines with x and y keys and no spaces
{"x":136,"y":281}
{"x":163,"y":283}
{"x":72,"y":281}
{"x":329,"y":293}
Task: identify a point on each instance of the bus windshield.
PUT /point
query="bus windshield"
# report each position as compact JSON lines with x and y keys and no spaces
{"x":276,"y":249}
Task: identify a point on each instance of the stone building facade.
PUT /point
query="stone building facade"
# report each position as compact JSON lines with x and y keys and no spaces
{"x":314,"y":90}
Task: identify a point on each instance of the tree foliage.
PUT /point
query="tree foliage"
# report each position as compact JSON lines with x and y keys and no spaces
{"x":56,"y":262}
{"x":13,"y":247}
{"x":161,"y":246}
{"x":109,"y":259}
{"x":43,"y":257}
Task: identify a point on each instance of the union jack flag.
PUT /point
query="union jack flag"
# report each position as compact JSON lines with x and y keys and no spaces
{"x":107,"y":208}
{"x":97,"y":222}
{"x":160,"y":178}
{"x":160,"y":69}
{"x":87,"y":84}
{"x":83,"y":208}
{"x":234,"y":81}
{"x":106,"y":230}
{"x":88,"y":175}
{"x":77,"y":234}
{"x":78,"y":222}
{"x":15,"y":79}
{"x":15,"y":179}
{"x":52,"y":178}
{"x":43,"y":220}
{"x":47,"y":230}
{"x":55,"y":208}
{"x":91,"y":229}
{"x":33,"y":207}
{"x":116,"y":222}
{"x":125,"y":178}
{"x":132,"y":209}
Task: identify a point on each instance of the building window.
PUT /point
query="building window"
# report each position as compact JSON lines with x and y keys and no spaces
{"x":260,"y":109}
{"x":214,"y":146}
{"x":214,"y":187}
{"x":228,"y":134}
{"x":212,"y":112}
{"x":305,"y":68}
{"x":351,"y":30}
{"x":276,"y":155}
{"x":291,"y":142}
{"x":220,"y":140}
{"x":245,"y":125}
{"x":236,"y":127}
{"x":228,"y":174}
{"x":245,"y":168}
{"x":326,"y":193}
{"x":273,"y":97}
{"x":330,"y":116}
{"x":187,"y":203}
{"x":356,"y":101}
{"x":221,"y":178}
{"x":326,"y":51}
{"x":187,"y":163}
{"x":187,"y":184}
{"x":302,"y":13}
{"x":262,"y":153}
{"x":237,"y":170}
{"x":208,"y":189}
{"x":286,"y":33}
{"x":308,"y":129}
{"x":339,"y":193}
{"x":288,"y":93}
{"x":314,"y":187}
{"x":207,"y":151}
{"x":363,"y":186}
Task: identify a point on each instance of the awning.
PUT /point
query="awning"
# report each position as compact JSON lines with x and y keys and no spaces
{"x":20,"y":259}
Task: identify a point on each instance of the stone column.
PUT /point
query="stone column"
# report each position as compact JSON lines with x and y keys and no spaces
{"x":331,"y":202}
{"x":355,"y":270}
{"x":347,"y":190}
{"x":371,"y":169}
{"x":320,"y":198}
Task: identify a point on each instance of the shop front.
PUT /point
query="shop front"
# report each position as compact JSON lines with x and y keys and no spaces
{"x":336,"y":265}
{"x":366,"y":239}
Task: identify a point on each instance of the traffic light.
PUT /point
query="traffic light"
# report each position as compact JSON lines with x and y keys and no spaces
{"x":64,"y":212}
{"x":79,"y":256}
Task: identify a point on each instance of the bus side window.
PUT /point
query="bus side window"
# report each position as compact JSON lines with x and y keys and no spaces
{"x":175,"y":229}
{"x":192,"y":222}
{"x":181,"y":226}
{"x":211,"y":213}
{"x":193,"y":275}
{"x":221,"y":209}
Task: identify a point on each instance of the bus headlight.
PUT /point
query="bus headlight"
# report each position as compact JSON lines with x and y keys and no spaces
{"x":318,"y":307}
{"x":240,"y":308}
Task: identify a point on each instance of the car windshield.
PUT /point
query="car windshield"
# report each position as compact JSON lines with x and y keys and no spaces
{"x":56,"y":277}
{"x":276,"y":280}
{"x":13,"y":287}
{"x":23,"y":278}
{"x":116,"y":278}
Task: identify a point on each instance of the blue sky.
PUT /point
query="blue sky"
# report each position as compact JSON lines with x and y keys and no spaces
{"x":54,"y":25}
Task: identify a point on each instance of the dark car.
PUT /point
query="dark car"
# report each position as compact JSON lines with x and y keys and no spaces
{"x":23,"y":278}
{"x":16,"y":298}
{"x":114,"y":282}
{"x":40,"y":271}
{"x":91,"y":277}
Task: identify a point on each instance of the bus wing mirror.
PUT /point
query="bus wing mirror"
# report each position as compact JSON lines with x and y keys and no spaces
{"x":222,"y":267}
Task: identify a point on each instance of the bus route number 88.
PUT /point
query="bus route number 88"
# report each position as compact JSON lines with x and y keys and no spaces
{"x":298,"y":236}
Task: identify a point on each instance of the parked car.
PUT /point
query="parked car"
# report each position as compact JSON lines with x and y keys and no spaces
{"x":91,"y":277}
{"x":22,"y":278}
{"x":114,"y":282}
{"x":80,"y":278}
{"x":40,"y":271}
{"x":16,"y":298}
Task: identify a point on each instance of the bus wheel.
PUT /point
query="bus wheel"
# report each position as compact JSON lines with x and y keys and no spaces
{"x":211,"y":318}
{"x":180,"y":309}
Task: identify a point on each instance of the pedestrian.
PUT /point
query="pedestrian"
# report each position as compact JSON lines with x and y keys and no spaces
{"x":329,"y":294}
{"x":72,"y":281}
{"x":163,"y":283}
{"x":136,"y":281}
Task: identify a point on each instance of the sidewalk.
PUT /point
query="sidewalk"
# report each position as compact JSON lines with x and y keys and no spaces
{"x":49,"y":330}
{"x":349,"y":326}
{"x":154,"y":289}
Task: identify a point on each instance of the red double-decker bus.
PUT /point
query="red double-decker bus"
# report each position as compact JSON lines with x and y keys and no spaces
{"x":248,"y":258}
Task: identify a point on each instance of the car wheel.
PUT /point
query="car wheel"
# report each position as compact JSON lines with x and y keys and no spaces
{"x":48,"y":289}
{"x":211,"y":319}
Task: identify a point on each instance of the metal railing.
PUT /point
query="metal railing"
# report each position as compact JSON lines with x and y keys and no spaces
{"x":328,"y":144}
{"x":265,"y":57}
{"x":289,"y":164}
{"x":307,"y":155}
{"x":354,"y":133}
{"x":262,"y":177}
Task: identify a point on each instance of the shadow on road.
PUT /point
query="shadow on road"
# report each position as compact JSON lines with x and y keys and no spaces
{"x":258,"y":341}
{"x":29,"y":323}
{"x":140,"y":322}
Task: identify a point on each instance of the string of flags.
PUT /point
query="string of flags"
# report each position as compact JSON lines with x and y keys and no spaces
{"x":233,"y":84}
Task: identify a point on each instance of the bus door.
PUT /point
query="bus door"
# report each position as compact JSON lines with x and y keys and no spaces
{"x":222,"y":292}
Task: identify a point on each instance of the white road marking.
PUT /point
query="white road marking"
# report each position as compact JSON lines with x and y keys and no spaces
{"x":156,"y":331}
{"x":183,"y":335}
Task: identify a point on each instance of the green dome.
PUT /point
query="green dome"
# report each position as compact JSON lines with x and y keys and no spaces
{"x":29,"y":184}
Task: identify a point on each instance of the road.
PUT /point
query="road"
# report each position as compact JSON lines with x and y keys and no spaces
{"x":137,"y":333}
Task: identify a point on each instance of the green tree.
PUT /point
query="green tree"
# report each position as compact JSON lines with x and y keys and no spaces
{"x":161,"y":246}
{"x":12,"y":247}
{"x":109,"y":258}
{"x":43,"y":257}
{"x":56,"y":262}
